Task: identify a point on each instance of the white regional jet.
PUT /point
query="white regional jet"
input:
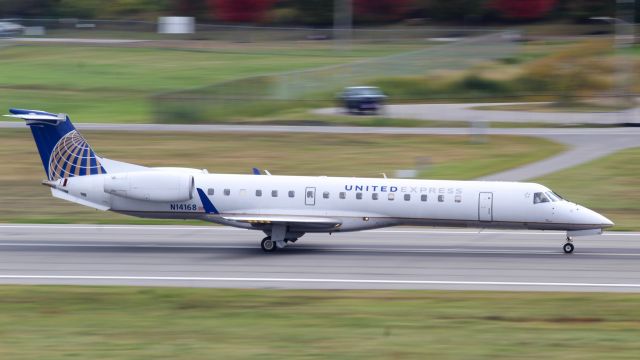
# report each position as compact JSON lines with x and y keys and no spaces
{"x":287,"y":207}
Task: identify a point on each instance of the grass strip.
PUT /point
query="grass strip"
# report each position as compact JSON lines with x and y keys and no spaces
{"x":62,"y":322}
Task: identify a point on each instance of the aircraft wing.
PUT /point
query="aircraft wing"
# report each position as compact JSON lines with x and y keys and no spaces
{"x":312,"y":221}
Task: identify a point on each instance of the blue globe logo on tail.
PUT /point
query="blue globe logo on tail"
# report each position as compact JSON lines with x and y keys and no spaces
{"x":72,"y":156}
{"x":63,"y":151}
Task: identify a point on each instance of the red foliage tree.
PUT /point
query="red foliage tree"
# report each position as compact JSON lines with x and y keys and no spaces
{"x":240,"y":10}
{"x":523,"y":9}
{"x":380,"y":10}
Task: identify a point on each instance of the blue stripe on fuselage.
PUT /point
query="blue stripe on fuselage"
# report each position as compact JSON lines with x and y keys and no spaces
{"x":206,"y":203}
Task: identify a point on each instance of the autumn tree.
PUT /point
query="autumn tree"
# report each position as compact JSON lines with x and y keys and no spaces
{"x":523,"y":9}
{"x":379,"y":10}
{"x":244,"y":11}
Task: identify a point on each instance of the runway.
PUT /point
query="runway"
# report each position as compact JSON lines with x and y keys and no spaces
{"x":396,"y":258}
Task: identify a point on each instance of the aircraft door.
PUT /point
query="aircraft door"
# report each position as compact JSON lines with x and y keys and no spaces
{"x":485,"y":206}
{"x":310,"y":196}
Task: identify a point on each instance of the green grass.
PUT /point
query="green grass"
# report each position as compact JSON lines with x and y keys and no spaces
{"x":87,"y":68}
{"x":453,"y":157}
{"x":48,"y":322}
{"x":608,"y":185}
{"x":114,"y":84}
{"x":82,"y":106}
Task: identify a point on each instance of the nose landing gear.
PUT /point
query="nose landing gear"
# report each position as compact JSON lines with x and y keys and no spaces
{"x":568,"y":247}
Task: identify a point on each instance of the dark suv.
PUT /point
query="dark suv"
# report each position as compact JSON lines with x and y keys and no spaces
{"x":362,"y":99}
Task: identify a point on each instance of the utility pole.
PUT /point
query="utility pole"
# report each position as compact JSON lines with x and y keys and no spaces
{"x":342,"y":24}
{"x":624,"y":39}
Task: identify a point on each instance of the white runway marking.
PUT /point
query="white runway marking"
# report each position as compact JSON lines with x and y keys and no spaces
{"x":312,"y":280}
{"x":350,"y":249}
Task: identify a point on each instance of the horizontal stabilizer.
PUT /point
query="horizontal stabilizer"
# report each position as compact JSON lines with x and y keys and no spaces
{"x":36,"y":116}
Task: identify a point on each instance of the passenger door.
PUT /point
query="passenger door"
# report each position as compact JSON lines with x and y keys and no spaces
{"x":485,"y":206}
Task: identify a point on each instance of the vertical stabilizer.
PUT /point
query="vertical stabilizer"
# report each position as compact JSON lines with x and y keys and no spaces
{"x":63,"y":151}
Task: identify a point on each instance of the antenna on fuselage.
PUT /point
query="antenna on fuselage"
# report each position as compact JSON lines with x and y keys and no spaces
{"x":383,"y":175}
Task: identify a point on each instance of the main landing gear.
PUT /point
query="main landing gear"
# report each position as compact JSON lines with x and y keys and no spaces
{"x":269,"y":245}
{"x":279,"y":237}
{"x":568,"y":247}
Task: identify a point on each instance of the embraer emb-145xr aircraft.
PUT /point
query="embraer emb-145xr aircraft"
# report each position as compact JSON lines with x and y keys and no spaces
{"x":287,"y":207}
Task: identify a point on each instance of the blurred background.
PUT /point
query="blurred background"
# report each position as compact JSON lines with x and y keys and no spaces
{"x":188,"y":61}
{"x":382,"y":63}
{"x":569,"y":69}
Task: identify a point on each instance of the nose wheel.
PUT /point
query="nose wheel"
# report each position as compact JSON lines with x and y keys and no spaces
{"x":568,"y":247}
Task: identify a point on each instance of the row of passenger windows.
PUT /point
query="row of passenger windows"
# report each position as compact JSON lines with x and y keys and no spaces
{"x":341,"y":195}
{"x":274,"y":193}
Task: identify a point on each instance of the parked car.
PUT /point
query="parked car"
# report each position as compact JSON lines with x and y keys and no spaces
{"x":8,"y":28}
{"x":362,"y":99}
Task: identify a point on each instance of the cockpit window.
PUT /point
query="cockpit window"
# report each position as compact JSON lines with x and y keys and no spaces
{"x":552,"y":197}
{"x":558,"y":196}
{"x":540,"y":197}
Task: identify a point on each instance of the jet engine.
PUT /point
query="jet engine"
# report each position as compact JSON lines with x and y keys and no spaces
{"x":151,"y":186}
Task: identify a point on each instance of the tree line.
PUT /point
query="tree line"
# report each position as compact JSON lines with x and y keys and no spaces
{"x":317,"y":12}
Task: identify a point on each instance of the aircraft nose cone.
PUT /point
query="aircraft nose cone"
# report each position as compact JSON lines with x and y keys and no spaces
{"x":606,"y":222}
{"x":596,"y":219}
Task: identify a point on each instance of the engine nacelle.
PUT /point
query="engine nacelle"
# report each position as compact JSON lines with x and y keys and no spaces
{"x":157,"y":186}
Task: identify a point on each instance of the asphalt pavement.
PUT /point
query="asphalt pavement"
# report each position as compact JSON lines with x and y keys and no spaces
{"x":395,"y":258}
{"x":467,"y":112}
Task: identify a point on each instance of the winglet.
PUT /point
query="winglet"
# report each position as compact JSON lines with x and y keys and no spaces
{"x":206,"y":203}
{"x":256,"y":171}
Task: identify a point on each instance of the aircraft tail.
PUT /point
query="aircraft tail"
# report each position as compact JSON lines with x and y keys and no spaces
{"x":64,"y":152}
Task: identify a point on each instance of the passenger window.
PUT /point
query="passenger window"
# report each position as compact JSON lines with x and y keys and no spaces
{"x":540,"y":197}
{"x":392,"y":196}
{"x":374,"y":196}
{"x":210,"y":191}
{"x":227,"y":192}
{"x":440,"y":198}
{"x":293,"y":193}
{"x":407,"y":197}
{"x":359,"y":196}
{"x":258,"y":193}
{"x":274,"y":193}
{"x":343,"y":195}
{"x":458,"y":198}
{"x":423,"y":197}
{"x":325,"y":195}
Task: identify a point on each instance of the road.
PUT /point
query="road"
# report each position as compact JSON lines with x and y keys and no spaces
{"x":581,"y":149}
{"x":230,"y":128}
{"x":468,"y":112}
{"x":72,"y":41}
{"x":396,"y":258}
